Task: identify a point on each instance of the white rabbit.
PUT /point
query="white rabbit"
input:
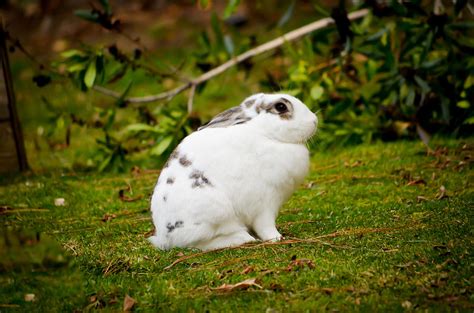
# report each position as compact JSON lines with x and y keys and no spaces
{"x":228,"y":180}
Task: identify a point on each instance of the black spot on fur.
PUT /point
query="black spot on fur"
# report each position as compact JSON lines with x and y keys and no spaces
{"x":199,"y":180}
{"x":165,"y":198}
{"x":184,"y":161}
{"x":172,"y":227}
{"x":170,"y":180}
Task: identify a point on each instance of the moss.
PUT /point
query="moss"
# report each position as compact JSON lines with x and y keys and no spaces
{"x":371,"y":226}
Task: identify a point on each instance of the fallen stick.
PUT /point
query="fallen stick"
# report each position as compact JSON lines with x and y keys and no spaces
{"x":292,"y":241}
{"x":270,"y":45}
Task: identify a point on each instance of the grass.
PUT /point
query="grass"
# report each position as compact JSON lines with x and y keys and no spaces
{"x":372,"y":229}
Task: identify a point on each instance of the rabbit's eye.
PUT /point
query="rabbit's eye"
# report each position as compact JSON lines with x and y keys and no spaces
{"x":281,"y":107}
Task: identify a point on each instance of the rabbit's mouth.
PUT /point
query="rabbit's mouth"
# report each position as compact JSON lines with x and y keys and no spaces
{"x":308,"y":141}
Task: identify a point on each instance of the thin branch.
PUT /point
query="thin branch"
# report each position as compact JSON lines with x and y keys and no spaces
{"x":191,"y":98}
{"x":277,"y":42}
{"x":162,"y":96}
{"x":316,"y":240}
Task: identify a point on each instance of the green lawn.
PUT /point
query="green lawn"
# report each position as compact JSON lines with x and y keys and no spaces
{"x":384,"y":227}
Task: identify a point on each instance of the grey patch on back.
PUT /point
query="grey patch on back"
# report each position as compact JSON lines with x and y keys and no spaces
{"x":249,"y":103}
{"x":184,"y":161}
{"x":165,"y":197}
{"x":170,"y":180}
{"x":177,"y":224}
{"x":173,"y":155}
{"x":233,"y":116}
{"x":199,"y":180}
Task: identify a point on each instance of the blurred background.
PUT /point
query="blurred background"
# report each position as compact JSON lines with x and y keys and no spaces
{"x":404,"y":70}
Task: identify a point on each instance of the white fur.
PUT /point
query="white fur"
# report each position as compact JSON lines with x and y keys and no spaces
{"x":252,"y":169}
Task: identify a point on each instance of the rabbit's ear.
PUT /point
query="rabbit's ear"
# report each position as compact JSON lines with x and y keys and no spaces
{"x":232,"y":116}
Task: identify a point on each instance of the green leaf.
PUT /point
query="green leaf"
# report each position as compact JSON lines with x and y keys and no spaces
{"x":103,"y":165}
{"x":469,"y":121}
{"x":176,"y":114}
{"x":121,"y":101}
{"x":140,"y":127}
{"x":87,"y":15}
{"x":341,"y":132}
{"x":321,"y":10}
{"x":424,"y":135}
{"x":410,"y":99}
{"x":76,"y":67}
{"x":292,"y":92}
{"x":204,"y":4}
{"x":73,"y":52}
{"x":371,"y":68}
{"x":162,"y":146}
{"x":316,"y":92}
{"x":432,"y":63}
{"x":288,"y":13}
{"x":231,"y":7}
{"x":445,"y":109}
{"x":469,"y":82}
{"x":106,"y":5}
{"x":204,"y":41}
{"x":464,"y":104}
{"x":423,"y":84}
{"x":464,"y":25}
{"x":216,"y":28}
{"x":340,"y":107}
{"x":111,"y":113}
{"x":90,"y":75}
{"x":229,"y":45}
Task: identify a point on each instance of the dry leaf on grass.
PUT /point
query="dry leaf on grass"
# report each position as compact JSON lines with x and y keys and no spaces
{"x":125,"y":198}
{"x":353,"y":164}
{"x":247,"y":270}
{"x":442,"y":193}
{"x":300,"y":263}
{"x":407,"y":304}
{"x":30,"y":297}
{"x":108,"y":217}
{"x":4,"y":209}
{"x":128,"y":303}
{"x":421,"y":199}
{"x":416,"y":182}
{"x":59,"y":202}
{"x":239,"y":286}
{"x":149,"y":233}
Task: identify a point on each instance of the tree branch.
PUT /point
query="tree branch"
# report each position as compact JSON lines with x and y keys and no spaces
{"x":316,"y":240}
{"x":290,"y":36}
{"x":191,"y":98}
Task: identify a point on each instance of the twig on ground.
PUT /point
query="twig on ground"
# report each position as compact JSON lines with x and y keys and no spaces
{"x":277,"y":42}
{"x":298,"y":222}
{"x":293,"y":241}
{"x":10,"y":210}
